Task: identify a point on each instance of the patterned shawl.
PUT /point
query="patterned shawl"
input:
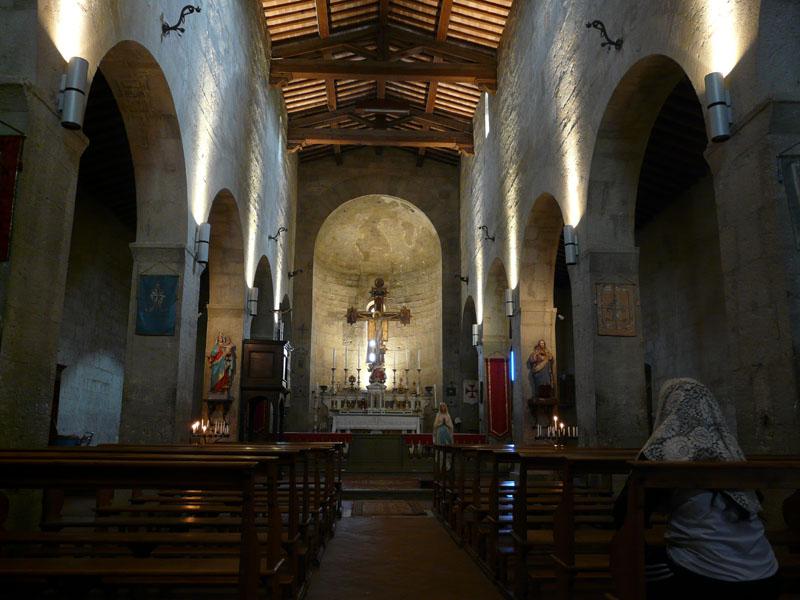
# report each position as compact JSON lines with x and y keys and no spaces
{"x":689,"y":426}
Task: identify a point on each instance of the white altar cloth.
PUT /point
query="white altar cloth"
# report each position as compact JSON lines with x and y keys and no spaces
{"x":343,"y":422}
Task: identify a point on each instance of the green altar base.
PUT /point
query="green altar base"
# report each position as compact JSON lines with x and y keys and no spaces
{"x":383,"y":453}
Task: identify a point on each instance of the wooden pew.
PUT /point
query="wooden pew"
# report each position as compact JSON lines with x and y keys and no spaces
{"x":198,"y":507}
{"x":246,"y":570}
{"x":765,"y":473}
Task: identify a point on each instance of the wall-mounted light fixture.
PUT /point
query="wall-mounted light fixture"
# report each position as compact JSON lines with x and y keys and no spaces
{"x":570,"y":245}
{"x":166,"y":28}
{"x":476,"y":334}
{"x":463,"y":279}
{"x":275,"y":237}
{"x":72,"y":95}
{"x":291,"y":274}
{"x":486,"y":235}
{"x":252,"y":301}
{"x":718,"y":104}
{"x":600,"y":26}
{"x":201,"y":243}
{"x":509,"y":302}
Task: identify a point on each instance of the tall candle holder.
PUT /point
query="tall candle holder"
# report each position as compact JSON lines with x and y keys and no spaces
{"x":345,"y":377}
{"x":358,"y":370}
{"x":419,"y":381}
{"x":394,"y":380}
{"x":333,"y":380}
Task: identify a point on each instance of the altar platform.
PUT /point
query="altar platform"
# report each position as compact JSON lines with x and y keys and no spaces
{"x":377,"y":421}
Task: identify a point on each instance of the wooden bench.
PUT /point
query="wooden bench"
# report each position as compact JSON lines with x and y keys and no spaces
{"x":23,"y":564}
{"x":764,"y":473}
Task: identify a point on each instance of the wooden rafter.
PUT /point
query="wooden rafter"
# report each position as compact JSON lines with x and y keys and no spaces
{"x":443,"y":21}
{"x":454,"y":140}
{"x":481,"y":75}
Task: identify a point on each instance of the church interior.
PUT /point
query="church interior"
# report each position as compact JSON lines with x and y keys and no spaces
{"x":454,"y":299}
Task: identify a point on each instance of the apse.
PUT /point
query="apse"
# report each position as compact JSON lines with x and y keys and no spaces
{"x":367,"y":238}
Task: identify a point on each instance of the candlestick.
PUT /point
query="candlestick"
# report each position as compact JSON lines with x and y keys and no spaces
{"x":359,"y":375}
{"x":334,"y":358}
{"x":345,"y":359}
{"x":394,"y":380}
{"x":333,"y":379}
{"x":345,"y":369}
{"x":419,"y":377}
{"x":418,"y":359}
{"x":408,"y":364}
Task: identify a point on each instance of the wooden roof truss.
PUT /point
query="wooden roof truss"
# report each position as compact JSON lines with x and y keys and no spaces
{"x":404,"y":73}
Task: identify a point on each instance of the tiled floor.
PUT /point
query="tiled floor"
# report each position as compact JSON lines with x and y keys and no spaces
{"x":397,"y":558}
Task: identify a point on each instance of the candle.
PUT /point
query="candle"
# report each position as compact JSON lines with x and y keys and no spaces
{"x":418,"y":359}
{"x":408,"y":361}
{"x":334,"y":358}
{"x":394,"y":356}
{"x":345,"y":358}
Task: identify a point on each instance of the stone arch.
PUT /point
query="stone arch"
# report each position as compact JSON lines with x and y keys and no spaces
{"x":469,"y":363}
{"x":365,"y":238}
{"x":227,"y":291}
{"x":542,"y":271}
{"x":263,"y":324}
{"x":495,"y":322}
{"x":619,"y":149}
{"x":145,"y":100}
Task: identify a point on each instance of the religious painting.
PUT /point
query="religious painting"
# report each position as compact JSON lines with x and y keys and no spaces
{"x":10,"y":156}
{"x":471,"y":391}
{"x":222,"y":364}
{"x":156,"y":304}
{"x":497,"y":397}
{"x":616,"y":309}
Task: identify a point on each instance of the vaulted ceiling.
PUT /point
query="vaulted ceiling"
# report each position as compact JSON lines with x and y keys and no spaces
{"x":405,"y":73}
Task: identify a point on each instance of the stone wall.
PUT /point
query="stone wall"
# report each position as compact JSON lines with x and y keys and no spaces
{"x":683,"y":302}
{"x":94,"y":323}
{"x":550,"y":132}
{"x":324,"y":186}
{"x":201,"y":117}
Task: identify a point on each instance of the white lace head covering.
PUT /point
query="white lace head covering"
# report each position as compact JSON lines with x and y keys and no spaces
{"x":689,"y":426}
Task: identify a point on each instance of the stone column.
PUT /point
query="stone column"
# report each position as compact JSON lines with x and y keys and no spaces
{"x":158,"y":393}
{"x":36,"y":275}
{"x":761,"y":277}
{"x":610,"y":382}
{"x":228,"y":319}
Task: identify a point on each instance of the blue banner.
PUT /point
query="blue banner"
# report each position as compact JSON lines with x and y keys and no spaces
{"x":156,"y":304}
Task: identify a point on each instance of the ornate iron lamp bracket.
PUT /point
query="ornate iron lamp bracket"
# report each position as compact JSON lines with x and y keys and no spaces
{"x":600,"y":26}
{"x":166,"y":28}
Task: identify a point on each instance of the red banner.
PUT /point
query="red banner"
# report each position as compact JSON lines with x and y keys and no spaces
{"x":497,"y":397}
{"x":10,"y":155}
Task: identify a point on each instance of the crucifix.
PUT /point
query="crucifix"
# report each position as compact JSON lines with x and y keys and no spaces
{"x":377,"y":318}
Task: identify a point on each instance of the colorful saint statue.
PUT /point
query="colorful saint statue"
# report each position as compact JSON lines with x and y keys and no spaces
{"x":541,"y":365}
{"x":222,"y":362}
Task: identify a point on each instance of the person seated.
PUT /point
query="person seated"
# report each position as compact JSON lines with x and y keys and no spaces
{"x":715,"y":540}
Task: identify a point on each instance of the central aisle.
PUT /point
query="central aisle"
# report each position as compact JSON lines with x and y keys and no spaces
{"x":397,"y":558}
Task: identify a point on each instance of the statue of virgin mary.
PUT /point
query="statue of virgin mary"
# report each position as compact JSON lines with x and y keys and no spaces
{"x":222,"y":363}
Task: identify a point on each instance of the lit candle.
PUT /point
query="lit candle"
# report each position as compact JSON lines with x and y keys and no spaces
{"x":195,"y":426}
{"x":334,"y":358}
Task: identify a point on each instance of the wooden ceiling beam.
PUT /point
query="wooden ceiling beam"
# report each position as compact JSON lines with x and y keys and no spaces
{"x":290,"y":69}
{"x":442,"y":46}
{"x":442,"y":25}
{"x":333,"y":41}
{"x":454,"y":140}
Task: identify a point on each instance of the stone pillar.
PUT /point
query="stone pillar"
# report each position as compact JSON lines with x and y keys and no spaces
{"x":761,"y":277}
{"x":35,"y":277}
{"x":610,"y":382}
{"x":228,"y":319}
{"x":158,"y":393}
{"x":536,"y":323}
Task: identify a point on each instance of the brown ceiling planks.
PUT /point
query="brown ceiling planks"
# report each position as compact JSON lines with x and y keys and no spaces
{"x":432,"y":57}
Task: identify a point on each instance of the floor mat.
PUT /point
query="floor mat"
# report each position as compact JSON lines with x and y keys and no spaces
{"x":387,"y":508}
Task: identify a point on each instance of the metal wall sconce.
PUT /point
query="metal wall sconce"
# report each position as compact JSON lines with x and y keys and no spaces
{"x":166,"y":28}
{"x":486,"y":235}
{"x":72,"y":95}
{"x":252,"y":301}
{"x":294,"y":273}
{"x":201,"y":244}
{"x":570,"y":245}
{"x":509,"y":303}
{"x":275,"y":237}
{"x":718,"y":104}
{"x":476,"y":334}
{"x":600,"y":26}
{"x":463,"y":279}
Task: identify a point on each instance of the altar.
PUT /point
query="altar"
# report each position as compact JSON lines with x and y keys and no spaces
{"x":379,"y":421}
